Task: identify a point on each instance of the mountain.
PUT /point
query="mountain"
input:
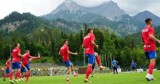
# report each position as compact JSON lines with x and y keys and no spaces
{"x":147,"y":14}
{"x":71,"y":11}
{"x":21,"y":22}
{"x":27,"y":23}
{"x":108,"y":9}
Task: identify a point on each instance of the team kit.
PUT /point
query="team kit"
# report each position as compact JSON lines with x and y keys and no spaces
{"x":20,"y":68}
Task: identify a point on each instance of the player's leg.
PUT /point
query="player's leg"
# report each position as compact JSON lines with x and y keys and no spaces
{"x":99,"y":62}
{"x":93,"y":71}
{"x":6,"y":75}
{"x":28,"y":73}
{"x":152,"y":56}
{"x":68,"y":70}
{"x":89,"y":69}
{"x":116,"y":71}
{"x":68,"y":74}
{"x":18,"y":72}
{"x":23,"y":73}
{"x":12,"y":73}
{"x":73,"y":70}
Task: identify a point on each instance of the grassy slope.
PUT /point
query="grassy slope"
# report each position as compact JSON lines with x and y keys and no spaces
{"x":122,"y":78}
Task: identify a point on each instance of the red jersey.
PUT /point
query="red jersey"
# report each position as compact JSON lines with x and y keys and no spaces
{"x":25,"y":59}
{"x":15,"y":57}
{"x":8,"y":64}
{"x":89,"y":49}
{"x":64,"y":53}
{"x":149,"y":44}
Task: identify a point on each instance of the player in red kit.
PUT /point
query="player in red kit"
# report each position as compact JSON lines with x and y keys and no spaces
{"x":88,"y":45}
{"x":7,"y":69}
{"x":64,"y":52}
{"x":149,"y":41}
{"x":25,"y":66}
{"x":16,"y":54}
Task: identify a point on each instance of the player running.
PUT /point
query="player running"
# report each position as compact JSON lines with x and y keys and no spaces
{"x":88,"y":45}
{"x":16,"y":54}
{"x":98,"y":61}
{"x":8,"y":66}
{"x":25,"y":66}
{"x":149,"y":40}
{"x":64,"y":52}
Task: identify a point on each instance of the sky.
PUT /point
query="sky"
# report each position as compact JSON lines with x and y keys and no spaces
{"x":42,"y":7}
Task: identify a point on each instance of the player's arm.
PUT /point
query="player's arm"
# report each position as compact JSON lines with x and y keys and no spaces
{"x":112,"y":64}
{"x":7,"y":64}
{"x":82,"y":46}
{"x":59,"y":53}
{"x":69,"y":52}
{"x":93,"y":42}
{"x":154,"y":38}
{"x":22,"y":64}
{"x":19,"y":53}
{"x":34,"y":57}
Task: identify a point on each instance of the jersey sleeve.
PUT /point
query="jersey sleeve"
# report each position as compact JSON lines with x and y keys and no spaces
{"x":29,"y":56}
{"x":67,"y":48}
{"x":92,"y":37}
{"x":18,"y":51}
{"x":151,"y":31}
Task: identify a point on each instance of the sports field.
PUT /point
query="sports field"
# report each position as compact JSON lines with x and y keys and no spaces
{"x":122,"y":78}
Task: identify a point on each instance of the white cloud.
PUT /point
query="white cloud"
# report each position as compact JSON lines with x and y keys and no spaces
{"x":41,"y":7}
{"x":36,"y":7}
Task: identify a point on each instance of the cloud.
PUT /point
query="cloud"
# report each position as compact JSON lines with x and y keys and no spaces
{"x":131,"y":7}
{"x":36,"y":7}
{"x":42,"y":7}
{"x":135,"y":6}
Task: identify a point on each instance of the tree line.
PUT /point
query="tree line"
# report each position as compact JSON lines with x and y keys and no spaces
{"x":47,"y":42}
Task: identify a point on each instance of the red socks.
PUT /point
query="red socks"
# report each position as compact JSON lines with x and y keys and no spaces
{"x":6,"y":75}
{"x":28,"y":75}
{"x":11,"y":74}
{"x":17,"y":75}
{"x":151,"y":67}
{"x":88,"y":72}
{"x":98,"y":60}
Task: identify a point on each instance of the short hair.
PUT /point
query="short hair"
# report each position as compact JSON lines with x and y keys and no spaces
{"x":65,"y":40}
{"x":89,"y":29}
{"x":148,"y":20}
{"x":16,"y":44}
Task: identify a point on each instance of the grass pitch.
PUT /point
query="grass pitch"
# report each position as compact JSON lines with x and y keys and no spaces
{"x":107,"y":78}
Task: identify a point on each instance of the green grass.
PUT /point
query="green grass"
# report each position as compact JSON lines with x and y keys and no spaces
{"x":107,"y":78}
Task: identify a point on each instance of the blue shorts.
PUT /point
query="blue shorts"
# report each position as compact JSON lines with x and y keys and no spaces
{"x":16,"y":65}
{"x":7,"y":71}
{"x":91,"y":58}
{"x":68,"y":63}
{"x":151,"y":54}
{"x":27,"y":66}
{"x":23,"y":69}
